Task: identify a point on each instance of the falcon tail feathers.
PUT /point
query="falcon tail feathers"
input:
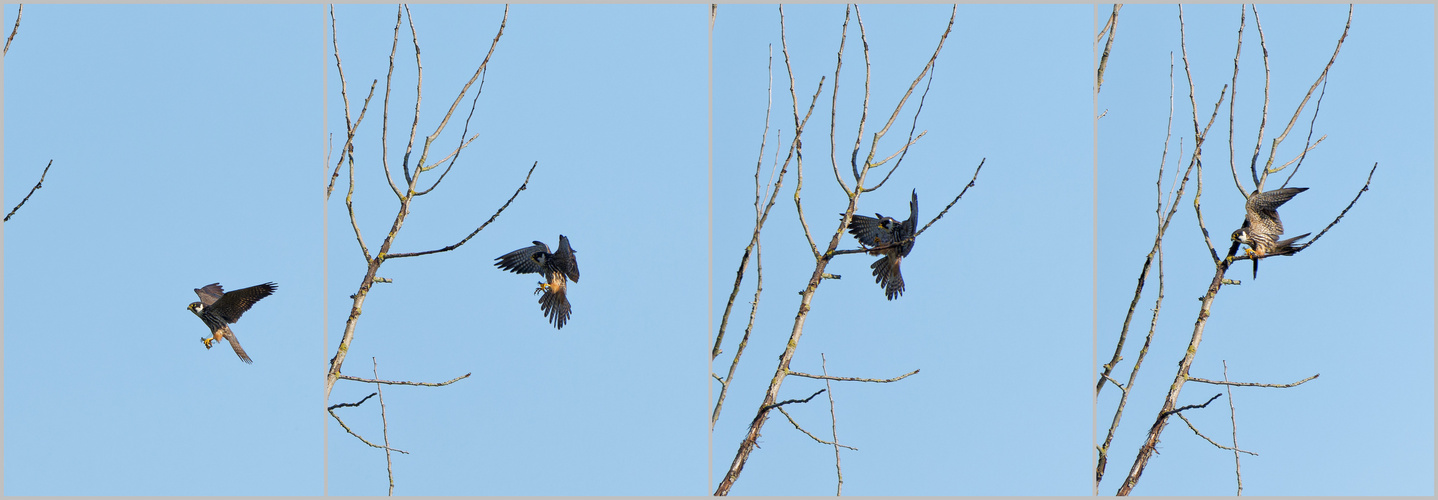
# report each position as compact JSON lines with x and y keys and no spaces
{"x":239,"y":351}
{"x":887,"y":275}
{"x":555,"y":306}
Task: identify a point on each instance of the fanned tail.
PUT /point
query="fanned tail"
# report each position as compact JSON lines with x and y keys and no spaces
{"x":555,"y":306}
{"x":887,"y":275}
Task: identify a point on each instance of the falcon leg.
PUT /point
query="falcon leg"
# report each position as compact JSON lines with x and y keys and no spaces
{"x":207,"y":341}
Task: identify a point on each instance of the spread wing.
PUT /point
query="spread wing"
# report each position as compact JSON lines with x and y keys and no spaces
{"x":909,"y":227}
{"x":873,"y":231}
{"x":210,"y":293}
{"x":232,"y":305}
{"x":524,"y":260}
{"x":1261,"y":210}
{"x":564,"y":260}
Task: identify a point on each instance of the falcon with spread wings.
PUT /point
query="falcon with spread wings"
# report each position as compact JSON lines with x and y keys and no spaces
{"x":897,"y":237}
{"x":554,"y":267}
{"x":218,"y":309}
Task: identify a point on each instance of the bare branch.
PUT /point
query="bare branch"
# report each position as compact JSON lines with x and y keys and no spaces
{"x":1250,"y":384}
{"x":352,"y":432}
{"x":833,"y":425}
{"x":1233,"y":420}
{"x":792,"y":401}
{"x":350,"y":128}
{"x":32,"y":190}
{"x":16,"y":29}
{"x":1322,"y":76}
{"x":955,"y":200}
{"x":904,"y":151}
{"x":1210,"y":441}
{"x":811,"y":435}
{"x":1308,"y":142}
{"x":826,"y":376}
{"x":1345,"y":209}
{"x":384,"y":423}
{"x":453,"y":156}
{"x":1111,"y":27}
{"x":522,"y":187}
{"x":403,"y":382}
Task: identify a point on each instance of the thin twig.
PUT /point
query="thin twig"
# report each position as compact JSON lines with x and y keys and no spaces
{"x":522,"y":187}
{"x":826,"y":376}
{"x":32,"y":190}
{"x":1210,"y":441}
{"x":1233,"y":420}
{"x":1112,"y":27}
{"x":793,"y":401}
{"x":956,"y":198}
{"x":332,"y":413}
{"x":1345,"y":209}
{"x":403,"y":382}
{"x":1249,"y":384}
{"x":14,"y":30}
{"x":810,"y":434}
{"x":384,"y":423}
{"x":833,"y":425}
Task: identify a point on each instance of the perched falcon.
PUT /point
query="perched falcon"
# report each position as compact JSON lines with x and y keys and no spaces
{"x":879,"y":231}
{"x":218,"y":309}
{"x":1261,"y":226}
{"x":555,"y":267}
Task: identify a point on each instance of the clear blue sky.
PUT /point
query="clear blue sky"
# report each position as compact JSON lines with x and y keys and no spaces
{"x":190,"y":148}
{"x":1355,"y":308}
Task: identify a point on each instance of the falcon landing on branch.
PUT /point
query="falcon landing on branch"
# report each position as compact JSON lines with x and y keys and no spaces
{"x":880,"y":231}
{"x":1261,"y":226}
{"x":554,"y":267}
{"x":218,"y":309}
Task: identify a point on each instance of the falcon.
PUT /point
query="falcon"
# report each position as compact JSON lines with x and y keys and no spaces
{"x":554,"y":267}
{"x":896,"y":240}
{"x":218,"y":309}
{"x":1261,"y":226}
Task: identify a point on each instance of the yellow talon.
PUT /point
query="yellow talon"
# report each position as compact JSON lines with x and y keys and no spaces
{"x":207,"y":341}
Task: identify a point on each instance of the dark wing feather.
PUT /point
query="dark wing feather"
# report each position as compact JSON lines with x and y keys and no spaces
{"x":210,"y":293}
{"x":523,"y":261}
{"x":234,"y":304}
{"x":1265,"y":206}
{"x":909,"y":227}
{"x":564,"y":260}
{"x":871,"y":231}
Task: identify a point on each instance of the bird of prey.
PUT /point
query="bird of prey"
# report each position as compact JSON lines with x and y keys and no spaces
{"x":218,"y":309}
{"x":554,"y":267}
{"x":896,"y":240}
{"x":1261,"y":226}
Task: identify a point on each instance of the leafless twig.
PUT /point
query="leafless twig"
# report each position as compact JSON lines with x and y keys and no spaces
{"x":32,"y":191}
{"x":1250,"y":384}
{"x":826,"y":376}
{"x":14,"y":30}
{"x":403,"y":382}
{"x":384,"y":422}
{"x":1111,"y":27}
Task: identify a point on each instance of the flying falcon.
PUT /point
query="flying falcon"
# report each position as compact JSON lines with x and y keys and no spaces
{"x":879,"y":231}
{"x":218,"y":309}
{"x":554,"y":267}
{"x":1261,"y":226}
